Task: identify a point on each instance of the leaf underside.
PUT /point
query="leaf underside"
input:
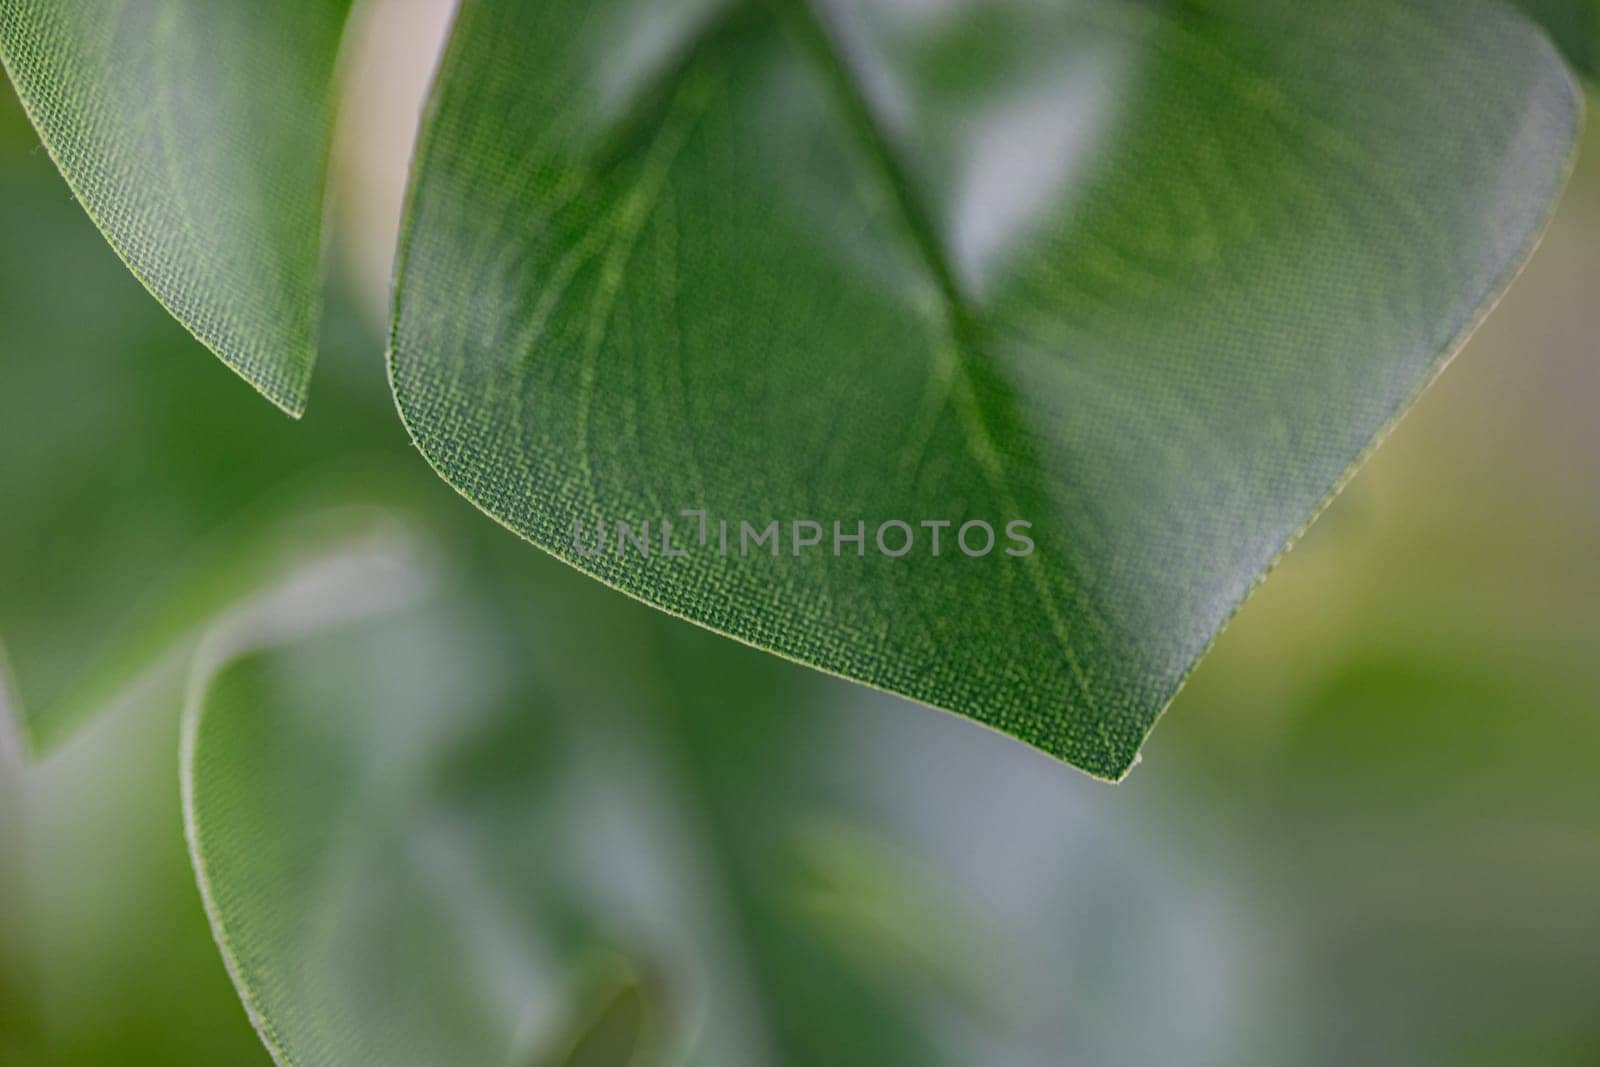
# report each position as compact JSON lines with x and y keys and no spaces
{"x":1151,"y":278}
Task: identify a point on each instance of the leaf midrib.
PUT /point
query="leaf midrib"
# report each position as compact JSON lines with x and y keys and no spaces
{"x":810,"y":27}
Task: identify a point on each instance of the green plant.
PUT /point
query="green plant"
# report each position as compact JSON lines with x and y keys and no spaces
{"x":1149,"y":281}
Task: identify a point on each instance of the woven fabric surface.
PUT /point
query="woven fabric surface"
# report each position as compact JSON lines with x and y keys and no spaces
{"x":1150,"y":279}
{"x":195,"y":133}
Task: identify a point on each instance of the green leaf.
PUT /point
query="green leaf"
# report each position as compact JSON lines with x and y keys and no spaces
{"x":260,"y":556}
{"x":105,"y":955}
{"x":430,"y":837}
{"x":878,"y":905}
{"x":420,"y":842}
{"x":1575,"y":26}
{"x":1152,"y":278}
{"x":144,"y":493}
{"x":615,"y":1028}
{"x":195,"y":133}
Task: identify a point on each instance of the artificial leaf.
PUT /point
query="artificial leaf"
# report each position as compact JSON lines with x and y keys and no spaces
{"x":1152,"y":278}
{"x":76,"y":939}
{"x":145,"y":494}
{"x":105,"y":956}
{"x":414,"y":841}
{"x":261,"y":556}
{"x":443,"y":835}
{"x":195,"y":134}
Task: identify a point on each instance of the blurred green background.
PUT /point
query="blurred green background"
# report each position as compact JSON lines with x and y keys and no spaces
{"x":1368,"y":830}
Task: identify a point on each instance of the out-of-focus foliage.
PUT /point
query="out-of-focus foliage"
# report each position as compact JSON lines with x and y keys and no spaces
{"x":1575,"y":26}
{"x":142,"y":497}
{"x":105,"y":956}
{"x":128,"y":456}
{"x":416,"y":838}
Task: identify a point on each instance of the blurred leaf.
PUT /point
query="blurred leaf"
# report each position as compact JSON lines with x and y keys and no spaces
{"x":413,"y":835}
{"x":16,"y":993}
{"x":614,"y":1029}
{"x":1094,"y":925}
{"x":1152,"y":278}
{"x":145,"y":493}
{"x":1575,"y":25}
{"x":103,"y":946}
{"x":1433,"y":811}
{"x":195,"y":133}
{"x":884,"y":909}
{"x":261,"y":556}
{"x":105,"y":957}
